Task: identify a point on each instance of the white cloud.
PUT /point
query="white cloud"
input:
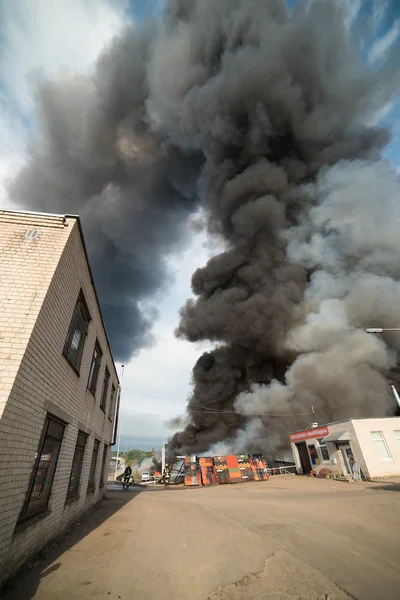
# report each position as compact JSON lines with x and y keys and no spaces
{"x":379,"y":10}
{"x":44,"y":37}
{"x":353,"y":8}
{"x":12,"y":153}
{"x":382,"y":46}
{"x":48,"y":36}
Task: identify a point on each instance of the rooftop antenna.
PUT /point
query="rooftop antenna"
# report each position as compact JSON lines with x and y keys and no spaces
{"x":314,"y":423}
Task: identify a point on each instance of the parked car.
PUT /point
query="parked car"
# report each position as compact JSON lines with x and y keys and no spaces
{"x":145,"y":476}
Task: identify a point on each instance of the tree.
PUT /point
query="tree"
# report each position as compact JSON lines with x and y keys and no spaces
{"x":133,"y":455}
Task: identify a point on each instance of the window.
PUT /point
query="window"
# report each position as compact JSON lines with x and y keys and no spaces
{"x":93,"y":465}
{"x":104,"y":390}
{"x":103,"y":465}
{"x":95,"y":368}
{"x":324,"y":450}
{"x":42,"y":474}
{"x":76,"y":470}
{"x":112,"y":402}
{"x":380,"y":445}
{"x":77,"y":332}
{"x":31,"y":234}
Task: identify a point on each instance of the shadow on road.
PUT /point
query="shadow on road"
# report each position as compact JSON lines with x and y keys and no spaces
{"x":24,"y":584}
{"x":388,"y":487}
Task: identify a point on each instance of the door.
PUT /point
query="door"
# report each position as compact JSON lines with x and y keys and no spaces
{"x":348,"y":459}
{"x":304,"y":458}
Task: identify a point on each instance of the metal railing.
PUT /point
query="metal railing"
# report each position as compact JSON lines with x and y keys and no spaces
{"x":286,"y":470}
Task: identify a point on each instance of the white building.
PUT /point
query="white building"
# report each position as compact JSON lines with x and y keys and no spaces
{"x":346,"y":447}
{"x":58,"y":384}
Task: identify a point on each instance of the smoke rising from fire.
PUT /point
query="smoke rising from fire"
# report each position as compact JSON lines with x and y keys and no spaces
{"x":267,"y":120}
{"x":97,"y":155}
{"x":294,"y":185}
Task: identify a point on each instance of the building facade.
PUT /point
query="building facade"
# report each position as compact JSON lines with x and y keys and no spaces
{"x":58,"y":384}
{"x":351,"y":448}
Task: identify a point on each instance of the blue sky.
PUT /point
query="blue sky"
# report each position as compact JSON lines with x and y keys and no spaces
{"x":69,"y":34}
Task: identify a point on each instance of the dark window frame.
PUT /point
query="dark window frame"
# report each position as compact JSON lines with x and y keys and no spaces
{"x":93,"y":466}
{"x":95,"y":368}
{"x":103,"y":465}
{"x":104,"y":390}
{"x":77,"y":463}
{"x":113,"y":397}
{"x":79,"y":323}
{"x":27,"y":515}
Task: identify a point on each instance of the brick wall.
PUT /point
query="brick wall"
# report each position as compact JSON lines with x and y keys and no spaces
{"x":26,"y":269}
{"x":38,"y":379}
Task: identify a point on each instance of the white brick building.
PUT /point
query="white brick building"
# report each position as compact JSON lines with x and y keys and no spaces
{"x":58,"y":384}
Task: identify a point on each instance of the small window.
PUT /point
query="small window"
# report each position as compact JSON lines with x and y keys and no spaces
{"x":93,"y":465}
{"x":76,"y":470}
{"x":77,"y":332}
{"x":104,"y":391}
{"x":42,"y":473}
{"x":103,"y":465}
{"x":95,"y":368}
{"x":380,"y":445}
{"x":112,"y":402}
{"x":31,"y":234}
{"x":324,"y":450}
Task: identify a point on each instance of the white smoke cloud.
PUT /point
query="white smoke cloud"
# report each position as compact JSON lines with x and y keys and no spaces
{"x":145,"y":465}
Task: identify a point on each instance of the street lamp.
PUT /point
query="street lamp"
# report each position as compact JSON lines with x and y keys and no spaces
{"x":381,"y":329}
{"x":119,"y":437}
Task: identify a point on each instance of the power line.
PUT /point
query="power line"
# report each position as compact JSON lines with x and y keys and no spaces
{"x":216,"y":411}
{"x":233,"y":412}
{"x":221,"y":410}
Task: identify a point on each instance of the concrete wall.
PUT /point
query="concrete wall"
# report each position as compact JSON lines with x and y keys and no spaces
{"x":37,"y":379}
{"x":335,"y":464}
{"x":362,"y":445}
{"x":375,"y":467}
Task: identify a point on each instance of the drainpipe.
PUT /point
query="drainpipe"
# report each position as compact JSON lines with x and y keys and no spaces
{"x":114,"y":440}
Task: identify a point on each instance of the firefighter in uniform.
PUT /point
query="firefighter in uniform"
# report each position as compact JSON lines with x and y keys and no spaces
{"x":167,"y":475}
{"x":126,"y":477}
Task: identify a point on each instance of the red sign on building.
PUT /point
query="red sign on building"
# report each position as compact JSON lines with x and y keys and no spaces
{"x":307,"y":434}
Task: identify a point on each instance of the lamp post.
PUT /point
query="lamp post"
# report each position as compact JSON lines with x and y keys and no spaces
{"x":381,"y":330}
{"x":163,"y":458}
{"x":119,"y":437}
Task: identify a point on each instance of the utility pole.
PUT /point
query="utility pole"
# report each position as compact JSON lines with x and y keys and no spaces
{"x":119,"y":434}
{"x":163,"y":458}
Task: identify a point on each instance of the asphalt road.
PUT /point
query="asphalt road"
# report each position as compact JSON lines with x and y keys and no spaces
{"x":288,"y":538}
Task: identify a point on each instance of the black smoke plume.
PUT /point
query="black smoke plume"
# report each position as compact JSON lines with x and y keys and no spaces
{"x":267,"y":120}
{"x":97,"y":155}
{"x":294,"y":187}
